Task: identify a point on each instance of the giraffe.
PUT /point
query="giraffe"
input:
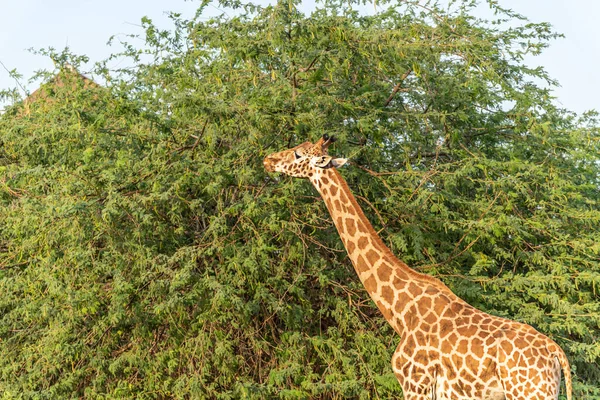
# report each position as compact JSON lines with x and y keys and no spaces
{"x":448,"y":349}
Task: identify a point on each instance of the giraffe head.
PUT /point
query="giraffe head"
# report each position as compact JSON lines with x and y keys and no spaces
{"x":304,"y":160}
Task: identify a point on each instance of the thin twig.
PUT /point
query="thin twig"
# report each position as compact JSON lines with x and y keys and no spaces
{"x":373,"y":208}
{"x":193,"y":147}
{"x":12,"y":76}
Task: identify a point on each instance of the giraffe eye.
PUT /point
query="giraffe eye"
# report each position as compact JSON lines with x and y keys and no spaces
{"x":297,"y":155}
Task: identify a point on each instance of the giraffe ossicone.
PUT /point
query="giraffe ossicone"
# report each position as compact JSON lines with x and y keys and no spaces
{"x":448,"y":349}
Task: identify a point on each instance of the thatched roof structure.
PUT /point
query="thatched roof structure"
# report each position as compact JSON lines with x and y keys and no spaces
{"x":67,"y":77}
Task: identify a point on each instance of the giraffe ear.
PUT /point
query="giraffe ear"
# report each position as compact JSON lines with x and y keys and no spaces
{"x":338,"y":162}
{"x":321,"y":161}
{"x":327,"y":162}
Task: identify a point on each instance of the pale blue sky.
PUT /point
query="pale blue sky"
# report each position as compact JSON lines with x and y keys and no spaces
{"x":86,"y":25}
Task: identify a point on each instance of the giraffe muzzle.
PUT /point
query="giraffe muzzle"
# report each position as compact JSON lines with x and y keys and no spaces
{"x":269,"y":164}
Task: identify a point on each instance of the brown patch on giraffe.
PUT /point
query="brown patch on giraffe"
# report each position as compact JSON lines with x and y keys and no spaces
{"x":476,"y":317}
{"x":411,"y":319}
{"x":472,"y":364}
{"x":506,"y":346}
{"x":538,"y":343}
{"x":477,"y":347}
{"x":467,"y":331}
{"x":373,"y":257}
{"x":446,"y":326}
{"x":414,"y":290}
{"x":398,"y":283}
{"x":362,"y":227}
{"x":489,"y":369}
{"x":450,"y":367}
{"x":452,"y":338}
{"x":466,"y":387}
{"x":336,"y":203}
{"x":484,"y":331}
{"x":540,"y":363}
{"x":343,"y":197}
{"x":458,"y":308}
{"x":425,"y":327}
{"x":334,"y":190}
{"x":421,"y":357}
{"x":520,"y":343}
{"x":399,"y":273}
{"x":361,"y":265}
{"x":350,"y":246}
{"x":324,"y":180}
{"x":433,"y":355}
{"x":499,"y":324}
{"x":384,"y":272}
{"x":458,"y":360}
{"x":478,"y":387}
{"x":363,"y":242}
{"x":424,"y":305}
{"x":350,"y":227}
{"x":528,"y":386}
{"x":371,"y":284}
{"x":387,"y":294}
{"x":430,"y":318}
{"x":420,"y":337}
{"x":458,"y":388}
{"x":440,"y":303}
{"x":385,"y":310}
{"x":535,"y":378}
{"x":450,"y":314}
{"x":409,"y":345}
{"x":462,"y":346}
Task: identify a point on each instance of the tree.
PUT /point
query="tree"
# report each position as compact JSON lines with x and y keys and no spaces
{"x":144,"y":252}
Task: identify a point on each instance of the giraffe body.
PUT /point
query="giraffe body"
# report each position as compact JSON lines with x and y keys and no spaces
{"x":448,"y":348}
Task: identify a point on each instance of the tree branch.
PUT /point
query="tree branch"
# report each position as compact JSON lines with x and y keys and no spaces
{"x":312,"y":63}
{"x":397,"y":87}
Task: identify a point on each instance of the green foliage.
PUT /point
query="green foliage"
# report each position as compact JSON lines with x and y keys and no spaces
{"x":145,"y":253}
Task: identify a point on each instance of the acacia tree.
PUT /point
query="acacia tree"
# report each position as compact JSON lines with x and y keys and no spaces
{"x":144,"y":252}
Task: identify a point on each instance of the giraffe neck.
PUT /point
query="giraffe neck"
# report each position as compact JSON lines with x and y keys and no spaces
{"x":388,"y":280}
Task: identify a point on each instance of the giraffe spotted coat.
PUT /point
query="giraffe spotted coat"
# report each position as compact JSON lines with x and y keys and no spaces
{"x":448,"y":349}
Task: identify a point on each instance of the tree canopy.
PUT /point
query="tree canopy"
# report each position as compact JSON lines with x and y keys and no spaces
{"x":145,"y":253}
